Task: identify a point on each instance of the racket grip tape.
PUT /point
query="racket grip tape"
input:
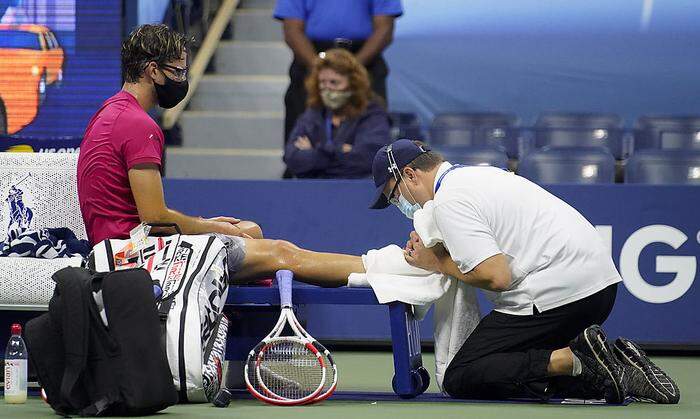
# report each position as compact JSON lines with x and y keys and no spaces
{"x":223,"y":398}
{"x":284,"y":282}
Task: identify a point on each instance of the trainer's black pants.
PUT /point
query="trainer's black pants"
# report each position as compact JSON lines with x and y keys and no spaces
{"x":506,"y":356}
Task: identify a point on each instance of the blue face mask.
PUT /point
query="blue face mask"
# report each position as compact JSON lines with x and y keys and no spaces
{"x":406,"y":208}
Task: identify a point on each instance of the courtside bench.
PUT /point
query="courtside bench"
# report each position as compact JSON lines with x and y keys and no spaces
{"x":410,"y":377}
{"x":40,"y":190}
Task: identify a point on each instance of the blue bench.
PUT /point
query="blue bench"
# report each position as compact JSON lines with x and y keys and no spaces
{"x":410,"y":377}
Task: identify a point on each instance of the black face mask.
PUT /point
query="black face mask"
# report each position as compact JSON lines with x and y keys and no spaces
{"x":171,"y":93}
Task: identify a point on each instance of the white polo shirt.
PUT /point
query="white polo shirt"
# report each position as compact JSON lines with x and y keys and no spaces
{"x":555,"y":255}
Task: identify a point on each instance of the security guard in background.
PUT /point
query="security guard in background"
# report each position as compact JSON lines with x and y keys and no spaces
{"x":365,"y":27}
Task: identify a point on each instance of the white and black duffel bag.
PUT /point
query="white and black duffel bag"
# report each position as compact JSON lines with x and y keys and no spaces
{"x":191,"y":271}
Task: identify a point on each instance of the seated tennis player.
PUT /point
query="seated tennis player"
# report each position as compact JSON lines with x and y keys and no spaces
{"x":119,"y":181}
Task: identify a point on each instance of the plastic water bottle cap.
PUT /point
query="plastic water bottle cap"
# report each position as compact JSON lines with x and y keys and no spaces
{"x":16,"y":329}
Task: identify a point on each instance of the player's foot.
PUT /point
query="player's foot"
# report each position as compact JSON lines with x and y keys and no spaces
{"x":645,"y":381}
{"x":600,"y":369}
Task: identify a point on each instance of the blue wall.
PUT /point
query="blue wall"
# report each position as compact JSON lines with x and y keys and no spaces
{"x":629,"y":57}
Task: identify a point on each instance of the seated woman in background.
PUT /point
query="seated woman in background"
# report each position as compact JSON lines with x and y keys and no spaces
{"x":344,"y":124}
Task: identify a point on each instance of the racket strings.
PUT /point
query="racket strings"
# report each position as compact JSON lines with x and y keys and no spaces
{"x":331,"y":371}
{"x":286,"y":370}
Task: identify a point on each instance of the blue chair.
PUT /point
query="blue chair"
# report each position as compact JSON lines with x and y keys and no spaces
{"x":583,"y":165}
{"x":561,"y":129}
{"x":664,"y":167}
{"x":405,"y":125}
{"x":667,"y":132}
{"x":475,"y":156}
{"x":496,"y":130}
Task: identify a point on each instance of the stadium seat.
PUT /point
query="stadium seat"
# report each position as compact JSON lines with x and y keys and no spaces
{"x":475,"y":156}
{"x":664,"y":167}
{"x":667,"y":132}
{"x":405,"y":125}
{"x":495,"y":130}
{"x":558,"y":129}
{"x":584,"y":165}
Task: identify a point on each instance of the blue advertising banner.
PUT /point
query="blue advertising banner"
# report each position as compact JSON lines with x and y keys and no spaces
{"x":60,"y":61}
{"x":653,"y":232}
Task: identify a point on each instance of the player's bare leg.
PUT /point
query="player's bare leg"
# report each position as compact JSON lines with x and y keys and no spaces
{"x":265,"y":257}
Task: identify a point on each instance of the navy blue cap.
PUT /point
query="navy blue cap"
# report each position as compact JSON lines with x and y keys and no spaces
{"x":388,"y":163}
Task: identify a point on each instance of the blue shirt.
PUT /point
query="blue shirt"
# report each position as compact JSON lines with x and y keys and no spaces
{"x":330,"y":19}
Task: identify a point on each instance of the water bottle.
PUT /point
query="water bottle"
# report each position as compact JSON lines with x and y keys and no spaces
{"x":16,"y":367}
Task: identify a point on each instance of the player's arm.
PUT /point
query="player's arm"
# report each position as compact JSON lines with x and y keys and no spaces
{"x":381,"y":37}
{"x":298,"y":42}
{"x":147,"y":188}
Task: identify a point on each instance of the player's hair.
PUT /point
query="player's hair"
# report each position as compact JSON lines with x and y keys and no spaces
{"x":149,"y":43}
{"x":344,"y":63}
{"x":425,"y":161}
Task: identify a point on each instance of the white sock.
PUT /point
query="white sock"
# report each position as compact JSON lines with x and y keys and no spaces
{"x":576,"y":371}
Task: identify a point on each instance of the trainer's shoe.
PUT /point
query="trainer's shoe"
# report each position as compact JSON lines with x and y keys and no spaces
{"x":600,"y":369}
{"x":644,"y":379}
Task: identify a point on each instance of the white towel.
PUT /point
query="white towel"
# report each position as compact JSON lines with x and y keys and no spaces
{"x":457,"y":312}
{"x":424,"y":225}
{"x":393,"y":279}
{"x":455,"y":317}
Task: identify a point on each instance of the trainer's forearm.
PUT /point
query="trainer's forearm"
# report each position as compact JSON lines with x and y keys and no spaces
{"x":473,"y":277}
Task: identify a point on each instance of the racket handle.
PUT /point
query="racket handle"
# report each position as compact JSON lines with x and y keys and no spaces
{"x":223,"y":398}
{"x":284,"y":282}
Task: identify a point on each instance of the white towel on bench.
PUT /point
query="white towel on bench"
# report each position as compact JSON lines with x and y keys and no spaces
{"x":457,"y":312}
{"x":393,"y":279}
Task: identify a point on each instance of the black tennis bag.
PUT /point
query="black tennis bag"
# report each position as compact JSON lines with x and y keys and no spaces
{"x":89,"y":369}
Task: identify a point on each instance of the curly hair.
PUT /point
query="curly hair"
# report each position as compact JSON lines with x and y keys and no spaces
{"x":149,"y":43}
{"x":342,"y":62}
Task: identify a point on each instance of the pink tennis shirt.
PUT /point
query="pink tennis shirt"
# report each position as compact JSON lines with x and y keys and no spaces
{"x":119,"y":136}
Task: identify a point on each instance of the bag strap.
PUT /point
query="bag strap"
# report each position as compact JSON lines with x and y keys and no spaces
{"x":174,"y":225}
{"x":71,"y":283}
{"x":110,"y":255}
{"x":101,"y":406}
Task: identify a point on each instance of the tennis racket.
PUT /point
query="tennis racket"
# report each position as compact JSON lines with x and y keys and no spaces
{"x":285,"y":370}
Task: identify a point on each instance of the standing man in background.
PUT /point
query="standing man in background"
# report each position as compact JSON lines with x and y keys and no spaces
{"x":365,"y":27}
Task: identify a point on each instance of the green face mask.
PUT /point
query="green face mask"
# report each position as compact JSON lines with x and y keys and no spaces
{"x":334,"y":99}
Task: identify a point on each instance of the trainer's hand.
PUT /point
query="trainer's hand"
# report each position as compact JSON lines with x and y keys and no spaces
{"x":347,"y":148}
{"x":416,"y":254}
